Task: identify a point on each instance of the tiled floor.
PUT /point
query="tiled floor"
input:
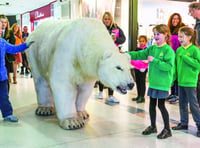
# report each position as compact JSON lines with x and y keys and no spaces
{"x":110,"y":126}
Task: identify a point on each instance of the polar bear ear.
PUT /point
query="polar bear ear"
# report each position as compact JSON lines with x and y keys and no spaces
{"x":106,"y":55}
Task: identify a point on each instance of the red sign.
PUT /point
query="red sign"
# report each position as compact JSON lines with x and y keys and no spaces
{"x":40,"y":13}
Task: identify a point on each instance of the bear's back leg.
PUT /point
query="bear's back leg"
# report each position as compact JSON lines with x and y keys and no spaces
{"x":44,"y":97}
{"x":43,"y":91}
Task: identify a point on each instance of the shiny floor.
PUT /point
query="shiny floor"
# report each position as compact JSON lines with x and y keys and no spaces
{"x":110,"y":125}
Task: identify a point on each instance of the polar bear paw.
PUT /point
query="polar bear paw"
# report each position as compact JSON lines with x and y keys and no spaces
{"x":72,"y":123}
{"x":44,"y":111}
{"x":83,"y":115}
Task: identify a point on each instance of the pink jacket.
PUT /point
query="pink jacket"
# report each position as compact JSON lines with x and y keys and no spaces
{"x":140,"y":64}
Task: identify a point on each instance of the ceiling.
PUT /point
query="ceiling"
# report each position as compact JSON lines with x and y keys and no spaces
{"x":14,"y":7}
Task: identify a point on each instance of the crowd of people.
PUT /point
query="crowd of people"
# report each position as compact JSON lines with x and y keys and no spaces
{"x":172,"y":64}
{"x":15,"y":36}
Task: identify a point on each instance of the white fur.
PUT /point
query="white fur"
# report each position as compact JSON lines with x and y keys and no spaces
{"x":67,"y":58}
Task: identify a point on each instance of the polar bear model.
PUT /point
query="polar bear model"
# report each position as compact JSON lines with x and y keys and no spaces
{"x":66,"y":60}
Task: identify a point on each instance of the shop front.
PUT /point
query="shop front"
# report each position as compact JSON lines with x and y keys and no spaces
{"x":39,"y":15}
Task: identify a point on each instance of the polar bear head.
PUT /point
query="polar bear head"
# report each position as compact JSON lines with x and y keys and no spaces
{"x":114,"y":71}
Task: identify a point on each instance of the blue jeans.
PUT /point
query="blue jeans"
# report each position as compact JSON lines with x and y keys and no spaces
{"x":188,"y":95}
{"x":5,"y":105}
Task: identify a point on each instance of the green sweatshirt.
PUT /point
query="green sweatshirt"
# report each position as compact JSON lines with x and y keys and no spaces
{"x":161,"y":68}
{"x":187,"y":65}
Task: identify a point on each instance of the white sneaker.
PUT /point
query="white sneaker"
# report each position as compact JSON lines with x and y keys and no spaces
{"x":100,"y":96}
{"x":112,"y":99}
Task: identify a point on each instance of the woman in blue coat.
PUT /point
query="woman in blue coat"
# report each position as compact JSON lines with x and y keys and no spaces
{"x":5,"y":105}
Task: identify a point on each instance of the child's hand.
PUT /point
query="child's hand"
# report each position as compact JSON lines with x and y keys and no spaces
{"x":29,"y":43}
{"x":121,"y":51}
{"x":150,"y":58}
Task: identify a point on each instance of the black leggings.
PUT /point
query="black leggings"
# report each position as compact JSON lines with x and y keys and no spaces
{"x":101,"y":86}
{"x":163,"y":110}
{"x":140,"y":82}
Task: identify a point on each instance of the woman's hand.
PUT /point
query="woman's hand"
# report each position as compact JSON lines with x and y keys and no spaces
{"x":114,"y":37}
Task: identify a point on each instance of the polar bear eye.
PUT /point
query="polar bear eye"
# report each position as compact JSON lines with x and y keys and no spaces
{"x":119,"y":68}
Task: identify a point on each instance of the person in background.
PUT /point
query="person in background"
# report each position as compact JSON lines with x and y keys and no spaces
{"x":140,"y":68}
{"x":18,"y":57}
{"x":187,"y":70}
{"x":194,"y":11}
{"x":174,"y":23}
{"x":25,"y":64}
{"x":5,"y":105}
{"x":118,"y":38}
{"x":161,"y":59}
{"x":8,"y":35}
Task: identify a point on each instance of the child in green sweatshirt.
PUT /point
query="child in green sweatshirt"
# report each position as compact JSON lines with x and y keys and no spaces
{"x":187,"y":70}
{"x":161,"y":64}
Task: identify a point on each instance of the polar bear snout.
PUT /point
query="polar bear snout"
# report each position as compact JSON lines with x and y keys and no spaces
{"x":123,"y":89}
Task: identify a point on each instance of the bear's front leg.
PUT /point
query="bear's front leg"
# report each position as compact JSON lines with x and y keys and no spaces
{"x":71,"y":123}
{"x":64,"y":98}
{"x":83,"y":115}
{"x":84,"y":92}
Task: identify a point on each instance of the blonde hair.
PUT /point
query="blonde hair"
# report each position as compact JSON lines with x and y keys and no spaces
{"x":163,"y":29}
{"x":190,"y":32}
{"x":111,"y":18}
{"x":19,"y":33}
{"x":7,"y":30}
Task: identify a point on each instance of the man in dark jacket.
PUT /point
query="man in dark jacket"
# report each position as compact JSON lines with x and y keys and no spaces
{"x":25,"y":64}
{"x":194,"y":11}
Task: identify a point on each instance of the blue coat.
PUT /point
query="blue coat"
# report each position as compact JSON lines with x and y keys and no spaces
{"x":8,"y":48}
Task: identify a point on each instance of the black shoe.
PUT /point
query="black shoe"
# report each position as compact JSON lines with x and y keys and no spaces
{"x":27,"y":73}
{"x":180,"y":127}
{"x":173,"y":100}
{"x":149,"y":130}
{"x":141,"y":100}
{"x":170,"y":96}
{"x":198,"y":133}
{"x":165,"y":133}
{"x":135,"y":99}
